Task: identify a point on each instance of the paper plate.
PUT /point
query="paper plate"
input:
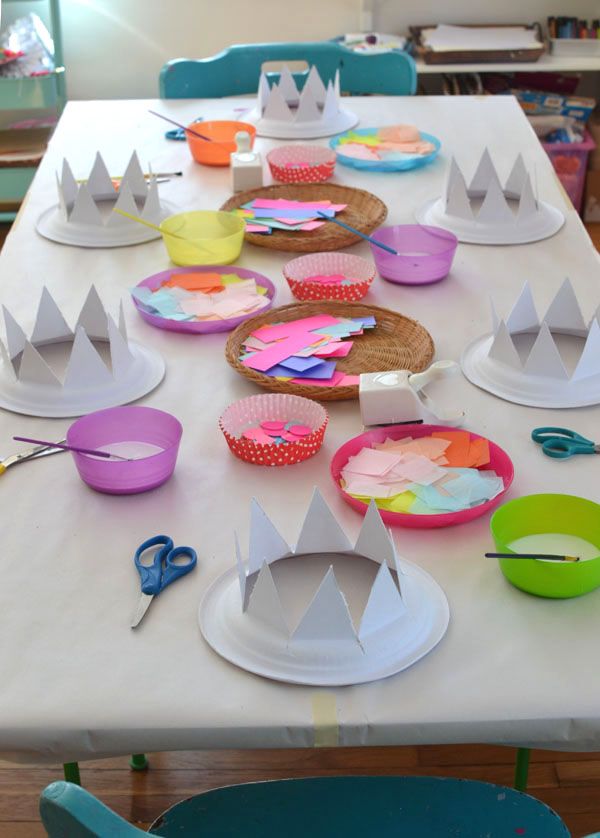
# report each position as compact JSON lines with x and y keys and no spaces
{"x":541,"y":225}
{"x":515,"y":386}
{"x":52,"y":225}
{"x":245,"y":642}
{"x":199,"y":327}
{"x":500,"y":462}
{"x":408,"y":161}
{"x":343,"y":120}
{"x":141,"y":377}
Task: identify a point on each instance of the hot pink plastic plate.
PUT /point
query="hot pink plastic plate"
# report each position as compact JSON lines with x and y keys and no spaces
{"x":201,"y":327}
{"x":500,"y":462}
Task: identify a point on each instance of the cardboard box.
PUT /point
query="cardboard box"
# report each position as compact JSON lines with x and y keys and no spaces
{"x":534,"y":102}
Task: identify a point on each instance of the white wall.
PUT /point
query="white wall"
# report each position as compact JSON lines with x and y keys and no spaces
{"x":115,"y":48}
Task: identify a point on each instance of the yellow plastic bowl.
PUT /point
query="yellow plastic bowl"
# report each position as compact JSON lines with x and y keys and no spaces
{"x":210,"y":237}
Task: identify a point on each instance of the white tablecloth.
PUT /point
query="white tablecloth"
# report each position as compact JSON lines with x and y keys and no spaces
{"x":76,"y":682}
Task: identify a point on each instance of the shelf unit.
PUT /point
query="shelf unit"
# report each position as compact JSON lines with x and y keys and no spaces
{"x":547,"y":63}
{"x":32,"y":93}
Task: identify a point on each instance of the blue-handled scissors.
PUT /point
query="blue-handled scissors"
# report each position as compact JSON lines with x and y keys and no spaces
{"x":563,"y":443}
{"x":163,"y":570}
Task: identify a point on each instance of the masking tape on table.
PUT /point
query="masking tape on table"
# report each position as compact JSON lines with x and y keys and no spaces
{"x":325,"y":720}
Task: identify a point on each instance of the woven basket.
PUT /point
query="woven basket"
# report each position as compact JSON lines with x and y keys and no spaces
{"x":396,"y":343}
{"x":365,"y":212}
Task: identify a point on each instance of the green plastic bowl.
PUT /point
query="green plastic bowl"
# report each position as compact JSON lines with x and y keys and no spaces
{"x":534,"y":514}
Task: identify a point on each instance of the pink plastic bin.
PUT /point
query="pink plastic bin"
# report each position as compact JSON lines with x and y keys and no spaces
{"x":126,"y":424}
{"x":500,"y":462}
{"x":570,"y":164}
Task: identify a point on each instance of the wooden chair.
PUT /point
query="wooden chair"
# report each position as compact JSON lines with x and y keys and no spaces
{"x":427,"y":807}
{"x":236,"y":70}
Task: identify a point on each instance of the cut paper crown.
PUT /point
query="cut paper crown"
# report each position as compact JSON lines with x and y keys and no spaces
{"x":284,"y":102}
{"x":495,"y":208}
{"x":544,"y":359}
{"x":326,"y":617}
{"x":85,"y":367}
{"x":78,"y":202}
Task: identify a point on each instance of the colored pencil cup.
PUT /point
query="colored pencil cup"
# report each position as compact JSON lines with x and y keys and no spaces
{"x":301,"y":163}
{"x":210,"y":237}
{"x":329,"y":263}
{"x":132,"y":425}
{"x":222,"y":133}
{"x":425,"y":253}
{"x":534,"y":514}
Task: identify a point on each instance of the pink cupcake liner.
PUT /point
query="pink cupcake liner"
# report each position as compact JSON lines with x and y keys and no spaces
{"x":314,"y":163}
{"x":326,"y":264}
{"x":271,"y":407}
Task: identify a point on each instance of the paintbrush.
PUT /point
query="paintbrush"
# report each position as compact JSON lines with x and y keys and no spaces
{"x":91,"y":451}
{"x":548,"y":557}
{"x":356,"y":232}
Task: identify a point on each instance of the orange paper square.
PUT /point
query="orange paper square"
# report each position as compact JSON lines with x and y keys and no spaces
{"x":208,"y":283}
{"x":458,"y":451}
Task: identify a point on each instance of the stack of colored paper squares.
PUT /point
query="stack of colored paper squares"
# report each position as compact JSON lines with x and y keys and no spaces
{"x":391,"y":143}
{"x":305,"y":351}
{"x":426,"y":476}
{"x":277,"y":432}
{"x":263,"y":215}
{"x":332,"y":279}
{"x":202,"y":296}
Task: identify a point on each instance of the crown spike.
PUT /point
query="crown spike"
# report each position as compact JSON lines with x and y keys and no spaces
{"x":266,"y":544}
{"x":85,"y":210}
{"x":277,"y":108}
{"x":134,"y":178}
{"x":457,"y":199}
{"x":93,"y":317}
{"x":331,"y":103}
{"x":15,"y":336}
{"x":516,"y":179}
{"x":374,"y":540}
{"x":544,"y":358}
{"x":68,"y":186}
{"x":121,"y":358}
{"x":34,"y":370}
{"x":287,"y":86}
{"x":384,"y":604}
{"x":485,"y":175}
{"x":315,"y":84}
{"x":527,"y":203}
{"x":327,"y":615}
{"x":494,"y":208}
{"x":7,"y":363}
{"x":263,"y":93}
{"x":503,"y":349}
{"x":50,"y":325}
{"x":320,"y":530}
{"x":99,"y":181}
{"x":242,"y":570}
{"x":336,"y":85}
{"x":62,"y":206}
{"x":308,"y":110}
{"x":265,"y":604}
{"x":564,"y":314}
{"x":523,"y":316}
{"x":126,"y":203}
{"x":85,"y":369}
{"x":151,"y":211}
{"x":588,"y":361}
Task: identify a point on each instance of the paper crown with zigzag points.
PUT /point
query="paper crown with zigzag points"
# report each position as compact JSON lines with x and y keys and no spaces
{"x":284,"y":111}
{"x":553,"y":361}
{"x":487,"y":212}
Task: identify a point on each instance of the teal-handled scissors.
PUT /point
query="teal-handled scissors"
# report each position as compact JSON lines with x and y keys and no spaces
{"x":562,"y":443}
{"x":162,"y":570}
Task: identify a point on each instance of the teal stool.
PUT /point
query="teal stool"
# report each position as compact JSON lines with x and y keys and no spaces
{"x":353,"y":807}
{"x":236,"y":70}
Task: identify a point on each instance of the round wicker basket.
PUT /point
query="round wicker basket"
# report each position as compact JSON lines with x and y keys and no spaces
{"x":396,"y":343}
{"x":365,"y":212}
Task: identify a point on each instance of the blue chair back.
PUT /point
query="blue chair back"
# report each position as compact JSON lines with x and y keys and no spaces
{"x":236,"y":70}
{"x":387,"y":807}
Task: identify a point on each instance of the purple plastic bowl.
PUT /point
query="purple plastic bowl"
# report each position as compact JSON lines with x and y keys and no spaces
{"x":126,"y":424}
{"x":199,"y":327}
{"x":425,"y":253}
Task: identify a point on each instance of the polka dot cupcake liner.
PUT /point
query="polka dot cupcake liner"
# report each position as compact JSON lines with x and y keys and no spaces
{"x":327,"y":264}
{"x":272,"y":411}
{"x":301,"y":163}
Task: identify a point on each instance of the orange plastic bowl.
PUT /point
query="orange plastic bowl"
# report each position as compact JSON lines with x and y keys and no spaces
{"x":222,"y":132}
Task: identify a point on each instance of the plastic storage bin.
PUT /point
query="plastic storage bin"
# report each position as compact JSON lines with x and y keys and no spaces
{"x":570,"y":164}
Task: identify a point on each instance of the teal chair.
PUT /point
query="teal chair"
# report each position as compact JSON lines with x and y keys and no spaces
{"x":355,"y":807}
{"x":236,"y":70}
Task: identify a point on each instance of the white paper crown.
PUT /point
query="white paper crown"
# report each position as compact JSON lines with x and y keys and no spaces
{"x":326,"y":618}
{"x":558,"y":366}
{"x":283,"y":111}
{"x":29,"y":383}
{"x":84,"y":215}
{"x":487,"y":212}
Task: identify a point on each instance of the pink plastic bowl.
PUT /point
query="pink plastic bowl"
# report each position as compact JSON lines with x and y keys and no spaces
{"x":425,"y":253}
{"x":327,"y":264}
{"x":126,"y":424}
{"x":301,"y":163}
{"x":500,"y":462}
